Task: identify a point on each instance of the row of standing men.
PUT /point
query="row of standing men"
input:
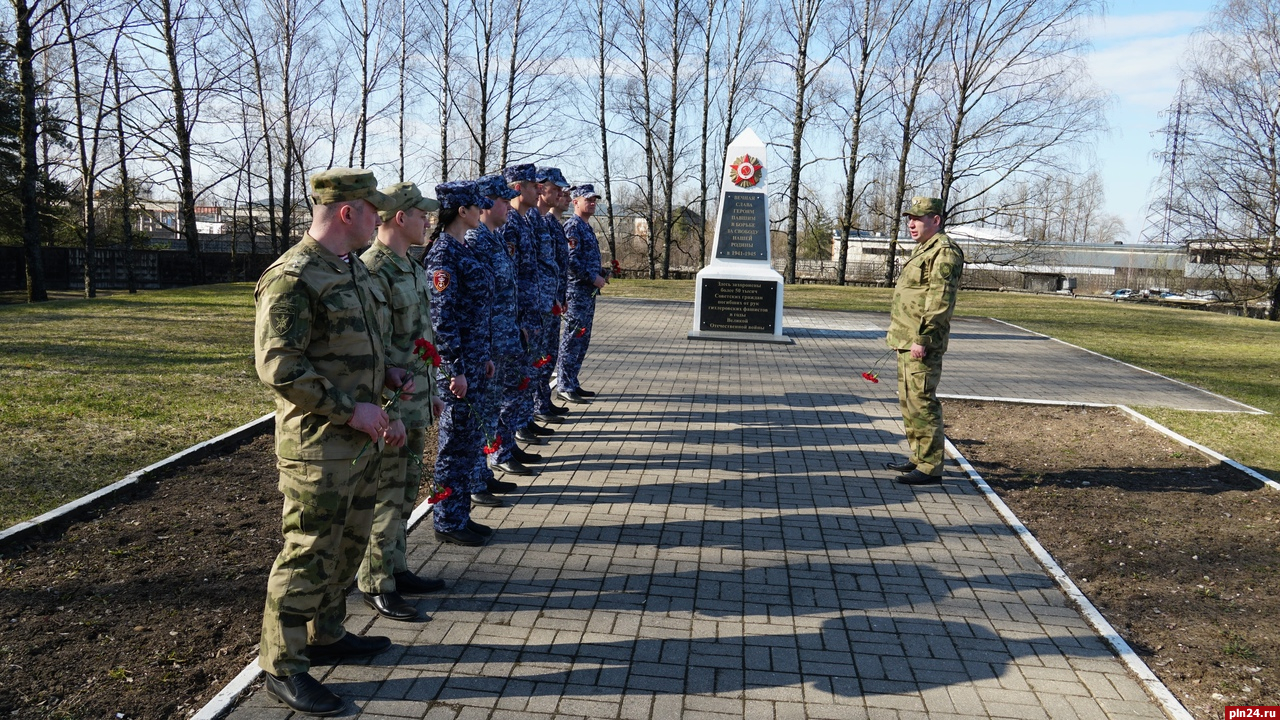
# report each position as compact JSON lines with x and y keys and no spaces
{"x":363,"y":347}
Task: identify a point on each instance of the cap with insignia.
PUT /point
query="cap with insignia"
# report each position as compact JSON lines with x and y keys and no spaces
{"x":461,"y":193}
{"x":921,"y":206}
{"x":558,"y":178}
{"x":405,"y":196}
{"x":495,"y":186}
{"x":520,"y":173}
{"x":551,"y":175}
{"x":337,"y":185}
{"x":585,"y":190}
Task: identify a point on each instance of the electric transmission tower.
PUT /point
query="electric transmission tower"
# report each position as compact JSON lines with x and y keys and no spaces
{"x":1159,"y":225}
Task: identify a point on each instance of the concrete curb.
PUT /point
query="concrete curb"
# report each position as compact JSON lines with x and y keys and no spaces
{"x":29,"y":527}
{"x":1153,"y":685}
{"x":225,"y":700}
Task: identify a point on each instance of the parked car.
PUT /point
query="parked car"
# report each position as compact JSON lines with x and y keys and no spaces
{"x":1121,"y":294}
{"x":1204,"y":295}
{"x":1170,"y":295}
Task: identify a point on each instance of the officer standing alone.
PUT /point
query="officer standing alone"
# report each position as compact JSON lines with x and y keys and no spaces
{"x":919,"y":326}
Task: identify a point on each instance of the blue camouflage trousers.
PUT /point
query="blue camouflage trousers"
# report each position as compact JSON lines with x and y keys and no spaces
{"x":328,"y":510}
{"x":489,"y":403}
{"x":573,"y":347}
{"x":517,"y":405}
{"x":460,"y":454}
{"x":542,"y":381}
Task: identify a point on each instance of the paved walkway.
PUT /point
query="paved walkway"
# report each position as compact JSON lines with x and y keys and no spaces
{"x":715,"y":538}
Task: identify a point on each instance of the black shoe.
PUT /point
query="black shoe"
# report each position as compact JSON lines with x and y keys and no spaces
{"x":514,"y":467}
{"x":558,"y":410}
{"x":304,"y":694}
{"x":538,"y":430}
{"x":586,"y":393}
{"x":411,"y":584}
{"x":391,"y":606}
{"x":549,"y":419}
{"x":350,"y":646}
{"x":523,"y":456}
{"x":461,"y":537}
{"x":487,"y":499}
{"x":573,"y":397}
{"x":481,"y":530}
{"x":501,"y":486}
{"x":915,"y":477}
{"x":529,"y":438}
{"x":902,"y":467}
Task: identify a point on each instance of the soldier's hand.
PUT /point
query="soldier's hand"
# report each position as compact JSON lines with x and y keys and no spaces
{"x":918,"y":351}
{"x":458,"y":386}
{"x":490,"y":369}
{"x":399,"y":379}
{"x":370,"y":420}
{"x":395,"y":434}
{"x":600,"y":281}
{"x":437,"y":407}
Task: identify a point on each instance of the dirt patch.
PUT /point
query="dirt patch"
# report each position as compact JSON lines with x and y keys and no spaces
{"x":144,"y":609}
{"x":1180,"y":553}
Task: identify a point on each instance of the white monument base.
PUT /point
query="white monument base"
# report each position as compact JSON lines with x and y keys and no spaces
{"x":738,"y":302}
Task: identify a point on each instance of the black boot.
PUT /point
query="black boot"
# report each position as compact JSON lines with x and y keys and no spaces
{"x":304,"y":694}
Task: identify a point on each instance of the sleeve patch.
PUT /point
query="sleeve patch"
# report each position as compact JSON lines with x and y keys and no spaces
{"x":440,"y":280}
{"x":511,"y":249}
{"x":573,"y":243}
{"x":282,"y":316}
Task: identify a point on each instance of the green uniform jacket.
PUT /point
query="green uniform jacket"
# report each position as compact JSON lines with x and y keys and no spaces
{"x":404,"y":282}
{"x":319,"y":346}
{"x":925,"y":296}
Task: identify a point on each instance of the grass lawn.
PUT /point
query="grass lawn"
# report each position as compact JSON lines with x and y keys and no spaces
{"x":1233,"y":356}
{"x":91,"y":390}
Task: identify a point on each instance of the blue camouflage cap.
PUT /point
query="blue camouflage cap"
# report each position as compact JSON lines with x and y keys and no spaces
{"x":460,"y":193}
{"x":520,"y":173}
{"x":559,"y":178}
{"x":585,"y":190}
{"x":551,"y":175}
{"x":495,"y":186}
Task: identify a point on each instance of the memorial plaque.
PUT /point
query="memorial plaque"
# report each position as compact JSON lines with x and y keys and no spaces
{"x":738,"y":305}
{"x":744,"y":227}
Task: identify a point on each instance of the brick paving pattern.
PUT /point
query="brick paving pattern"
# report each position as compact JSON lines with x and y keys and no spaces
{"x":716,"y":537}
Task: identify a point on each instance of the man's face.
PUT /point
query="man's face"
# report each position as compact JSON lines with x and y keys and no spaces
{"x":528,"y":192}
{"x":548,"y":193}
{"x":923,"y":227}
{"x":563,"y":201}
{"x":414,"y":225}
{"x":585,"y":206}
{"x":364,"y":222}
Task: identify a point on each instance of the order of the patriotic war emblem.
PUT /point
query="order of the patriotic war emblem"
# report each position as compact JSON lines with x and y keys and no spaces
{"x":745,"y":171}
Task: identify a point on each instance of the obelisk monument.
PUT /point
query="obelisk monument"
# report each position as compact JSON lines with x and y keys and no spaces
{"x":739,"y":295}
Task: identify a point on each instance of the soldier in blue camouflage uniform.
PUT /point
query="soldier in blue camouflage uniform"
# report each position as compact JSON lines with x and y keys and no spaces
{"x":508,"y":352}
{"x":320,"y":346}
{"x":461,"y":292}
{"x":919,"y":326}
{"x":519,"y":235}
{"x":384,"y":573}
{"x":545,"y":227}
{"x":586,"y":277}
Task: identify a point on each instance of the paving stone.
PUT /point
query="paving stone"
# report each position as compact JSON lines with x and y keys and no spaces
{"x":707,"y":541}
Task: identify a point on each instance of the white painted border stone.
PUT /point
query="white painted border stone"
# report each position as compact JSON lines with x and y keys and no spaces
{"x":1168,"y":702}
{"x":194,"y":452}
{"x":1250,"y":409}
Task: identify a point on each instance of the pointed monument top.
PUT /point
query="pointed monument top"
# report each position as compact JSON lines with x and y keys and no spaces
{"x":747,"y":138}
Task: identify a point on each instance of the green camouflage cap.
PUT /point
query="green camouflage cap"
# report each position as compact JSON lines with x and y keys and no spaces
{"x":404,"y":196}
{"x":337,"y":185}
{"x":921,"y":206}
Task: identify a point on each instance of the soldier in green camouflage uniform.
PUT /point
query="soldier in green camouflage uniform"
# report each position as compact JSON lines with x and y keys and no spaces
{"x":919,"y":324}
{"x":384,"y":573}
{"x":319,"y":347}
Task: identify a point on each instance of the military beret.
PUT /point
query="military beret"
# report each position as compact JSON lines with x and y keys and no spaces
{"x":460,"y":193}
{"x":495,"y":186}
{"x":337,"y":185}
{"x":406,"y":195}
{"x":585,"y":190}
{"x":921,"y":206}
{"x":519,"y":173}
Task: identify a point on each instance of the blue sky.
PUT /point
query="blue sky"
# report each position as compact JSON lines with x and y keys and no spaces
{"x":1137,"y":47}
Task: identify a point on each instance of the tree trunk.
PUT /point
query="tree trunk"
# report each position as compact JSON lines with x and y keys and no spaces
{"x":793,"y":184}
{"x":669,"y":166}
{"x":445,"y":50}
{"x":186,"y":182}
{"x":87,"y":175}
{"x":706,"y":116}
{"x":404,"y":64}
{"x":604,"y":130}
{"x":511,"y":83}
{"x":126,"y":224}
{"x":28,"y":184}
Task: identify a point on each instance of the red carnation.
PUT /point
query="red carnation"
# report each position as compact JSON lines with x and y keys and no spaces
{"x":617,"y":266}
{"x":870,"y":376}
{"x":492,"y":447}
{"x":524,"y":384}
{"x":542,"y":361}
{"x":556,"y":309}
{"x":440,"y":495}
{"x":581,"y":331}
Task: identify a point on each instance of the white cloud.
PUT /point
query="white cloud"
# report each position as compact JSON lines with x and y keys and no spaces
{"x":1142,"y":73}
{"x":1119,"y":28}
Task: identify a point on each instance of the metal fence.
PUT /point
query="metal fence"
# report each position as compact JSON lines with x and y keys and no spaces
{"x":152,"y":269}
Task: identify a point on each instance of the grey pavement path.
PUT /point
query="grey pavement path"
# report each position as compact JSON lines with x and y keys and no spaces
{"x":715,"y":537}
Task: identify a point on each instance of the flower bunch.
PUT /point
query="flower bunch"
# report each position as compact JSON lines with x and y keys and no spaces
{"x":557,"y":309}
{"x":617,"y":267}
{"x":873,"y":376}
{"x":542,"y":361}
{"x":494,"y":445}
{"x":440,"y":493}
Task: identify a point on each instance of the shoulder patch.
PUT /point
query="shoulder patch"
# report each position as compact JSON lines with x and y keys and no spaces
{"x":573,"y":242}
{"x":440,"y":280}
{"x":282,"y":315}
{"x":511,"y":249}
